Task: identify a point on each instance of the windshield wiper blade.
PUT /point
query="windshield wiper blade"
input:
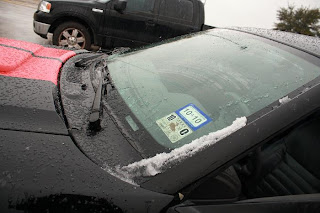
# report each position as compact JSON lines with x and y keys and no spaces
{"x":94,"y":118}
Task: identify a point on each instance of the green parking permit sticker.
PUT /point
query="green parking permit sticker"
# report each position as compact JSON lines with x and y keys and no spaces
{"x":174,"y":127}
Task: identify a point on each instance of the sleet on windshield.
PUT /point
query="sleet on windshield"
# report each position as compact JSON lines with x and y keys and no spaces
{"x":185,"y":89}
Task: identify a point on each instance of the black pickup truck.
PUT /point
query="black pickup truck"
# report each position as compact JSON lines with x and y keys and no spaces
{"x":116,"y":23}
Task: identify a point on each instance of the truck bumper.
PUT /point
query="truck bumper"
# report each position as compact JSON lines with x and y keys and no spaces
{"x":41,"y":28}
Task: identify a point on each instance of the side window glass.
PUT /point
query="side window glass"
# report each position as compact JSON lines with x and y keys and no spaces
{"x":178,"y":9}
{"x":286,"y":165}
{"x":140,"y":6}
{"x":281,"y":165}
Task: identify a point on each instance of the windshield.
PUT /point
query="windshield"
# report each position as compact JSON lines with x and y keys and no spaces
{"x":182,"y":90}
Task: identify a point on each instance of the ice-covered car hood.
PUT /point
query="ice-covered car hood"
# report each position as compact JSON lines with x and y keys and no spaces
{"x":28,"y":87}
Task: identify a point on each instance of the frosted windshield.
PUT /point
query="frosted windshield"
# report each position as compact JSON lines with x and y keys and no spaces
{"x":219,"y":75}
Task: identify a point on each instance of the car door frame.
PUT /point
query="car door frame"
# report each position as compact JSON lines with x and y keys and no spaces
{"x":177,"y":26}
{"x":281,"y":204}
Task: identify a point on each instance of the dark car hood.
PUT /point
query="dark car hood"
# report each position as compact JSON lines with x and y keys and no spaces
{"x":28,"y":88}
{"x":42,"y":168}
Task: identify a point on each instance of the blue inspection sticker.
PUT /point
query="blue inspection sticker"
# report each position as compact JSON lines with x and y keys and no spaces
{"x":193,"y":116}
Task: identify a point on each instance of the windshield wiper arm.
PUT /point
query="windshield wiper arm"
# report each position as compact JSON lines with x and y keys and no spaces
{"x":104,"y":80}
{"x":85,"y":61}
{"x":94,"y":117}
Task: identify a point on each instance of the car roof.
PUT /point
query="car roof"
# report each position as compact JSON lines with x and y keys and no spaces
{"x":304,"y":43}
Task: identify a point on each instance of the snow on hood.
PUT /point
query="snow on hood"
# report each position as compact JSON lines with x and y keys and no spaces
{"x":157,"y":164}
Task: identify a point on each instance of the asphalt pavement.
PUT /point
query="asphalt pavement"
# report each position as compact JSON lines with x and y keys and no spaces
{"x":16,"y":20}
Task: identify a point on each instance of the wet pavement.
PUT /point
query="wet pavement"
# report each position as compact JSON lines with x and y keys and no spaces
{"x":16,"y":20}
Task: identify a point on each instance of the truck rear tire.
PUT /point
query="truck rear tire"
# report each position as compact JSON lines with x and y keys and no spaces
{"x":73,"y":35}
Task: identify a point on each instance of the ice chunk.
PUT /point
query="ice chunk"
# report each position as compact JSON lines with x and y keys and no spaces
{"x":116,"y":174}
{"x":284,"y":100}
{"x":157,"y":164}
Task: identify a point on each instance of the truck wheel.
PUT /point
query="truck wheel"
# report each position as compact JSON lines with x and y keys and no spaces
{"x":72,"y":35}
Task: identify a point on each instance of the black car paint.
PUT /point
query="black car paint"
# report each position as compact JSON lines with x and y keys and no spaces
{"x":64,"y":10}
{"x":114,"y":29}
{"x":36,"y":167}
{"x":30,"y":102}
{"x":42,"y":168}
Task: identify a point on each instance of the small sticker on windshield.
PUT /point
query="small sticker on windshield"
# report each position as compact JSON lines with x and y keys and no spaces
{"x":132,"y":124}
{"x":174,"y":127}
{"x":193,"y":116}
